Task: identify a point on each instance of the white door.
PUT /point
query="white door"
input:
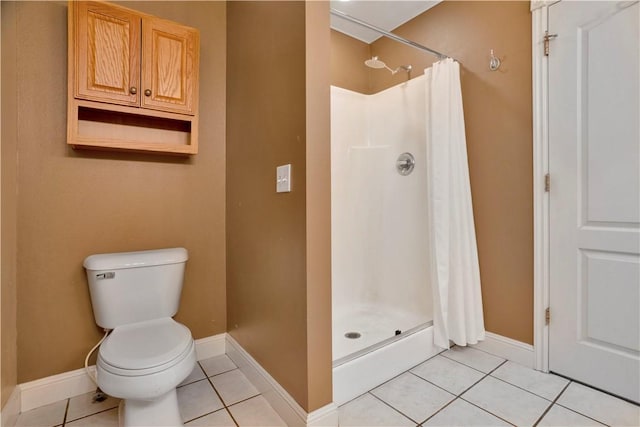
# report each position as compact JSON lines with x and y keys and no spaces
{"x":594,"y":164}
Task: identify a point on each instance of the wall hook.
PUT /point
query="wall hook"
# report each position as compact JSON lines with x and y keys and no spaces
{"x":494,"y":62}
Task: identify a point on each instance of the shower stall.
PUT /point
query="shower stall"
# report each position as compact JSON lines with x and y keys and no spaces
{"x":405,"y":274}
{"x":382,"y":300}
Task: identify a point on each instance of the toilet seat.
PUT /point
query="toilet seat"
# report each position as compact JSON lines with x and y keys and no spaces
{"x":145,"y":348}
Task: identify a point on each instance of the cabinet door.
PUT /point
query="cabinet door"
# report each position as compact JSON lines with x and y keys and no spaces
{"x":107,"y":54}
{"x":170,"y":56}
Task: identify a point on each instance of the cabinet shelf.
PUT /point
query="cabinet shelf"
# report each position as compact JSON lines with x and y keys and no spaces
{"x":107,"y":126}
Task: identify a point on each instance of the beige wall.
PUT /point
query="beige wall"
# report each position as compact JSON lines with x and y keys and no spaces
{"x":497,"y":107}
{"x":8,"y":236}
{"x":75,"y":203}
{"x":347,"y":63}
{"x":272,"y":278}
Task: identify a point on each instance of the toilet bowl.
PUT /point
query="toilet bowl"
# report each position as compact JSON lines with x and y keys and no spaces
{"x":143,"y":363}
{"x":147,"y":353}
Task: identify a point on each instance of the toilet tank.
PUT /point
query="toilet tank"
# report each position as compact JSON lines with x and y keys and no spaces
{"x":130,"y":287}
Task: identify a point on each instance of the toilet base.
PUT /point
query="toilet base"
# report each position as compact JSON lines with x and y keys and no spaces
{"x":162,"y":411}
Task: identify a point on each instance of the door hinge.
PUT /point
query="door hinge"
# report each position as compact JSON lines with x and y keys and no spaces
{"x":546,"y":39}
{"x":547,"y":183}
{"x":547,"y":316}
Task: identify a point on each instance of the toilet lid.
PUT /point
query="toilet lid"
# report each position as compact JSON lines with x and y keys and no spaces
{"x":145,"y":345}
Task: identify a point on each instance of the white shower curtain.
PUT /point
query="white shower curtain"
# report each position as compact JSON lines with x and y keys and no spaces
{"x":455,"y":275}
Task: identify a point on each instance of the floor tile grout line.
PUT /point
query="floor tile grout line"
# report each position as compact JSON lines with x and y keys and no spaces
{"x":90,"y":415}
{"x":529,"y":391}
{"x":455,"y":396}
{"x":244,"y":400}
{"x":224,"y":404}
{"x":552,"y":403}
{"x":378,"y":386}
{"x":439,"y":410}
{"x":435,"y":385}
{"x":591,"y":388}
{"x":498,"y":367}
{"x":204,"y":415}
{"x":393,"y":407}
{"x":597,"y":389}
{"x":400,"y":374}
{"x":484,"y":351}
{"x":485,"y":376}
{"x":66,"y":411}
{"x":580,"y":413}
{"x":459,"y":396}
{"x":206,"y":376}
{"x":452,"y":360}
{"x":221,"y":373}
{"x":575,"y":410}
{"x":469,"y":366}
{"x":487,"y":411}
{"x":476,"y":383}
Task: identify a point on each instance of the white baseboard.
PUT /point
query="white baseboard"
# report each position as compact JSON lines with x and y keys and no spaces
{"x":327,"y":416}
{"x":56,"y":387}
{"x":44,"y":391}
{"x":285,"y":405}
{"x":11,"y":409}
{"x":507,"y":348}
{"x":210,"y":346}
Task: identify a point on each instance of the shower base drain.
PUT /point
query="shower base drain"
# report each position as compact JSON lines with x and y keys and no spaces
{"x":352,"y":335}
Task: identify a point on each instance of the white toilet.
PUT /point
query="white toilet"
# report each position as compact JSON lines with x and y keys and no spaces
{"x":147,"y":354}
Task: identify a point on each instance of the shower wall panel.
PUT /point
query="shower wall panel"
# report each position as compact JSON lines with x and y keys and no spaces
{"x":379,"y":242}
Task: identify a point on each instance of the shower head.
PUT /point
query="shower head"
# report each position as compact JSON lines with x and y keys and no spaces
{"x":374,"y":62}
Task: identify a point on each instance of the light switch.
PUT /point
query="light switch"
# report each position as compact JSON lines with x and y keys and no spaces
{"x":283,"y":179}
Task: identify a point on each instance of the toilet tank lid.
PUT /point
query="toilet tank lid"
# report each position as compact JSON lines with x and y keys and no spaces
{"x":122,"y":260}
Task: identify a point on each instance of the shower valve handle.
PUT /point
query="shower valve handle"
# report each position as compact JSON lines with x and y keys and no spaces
{"x":405,"y":164}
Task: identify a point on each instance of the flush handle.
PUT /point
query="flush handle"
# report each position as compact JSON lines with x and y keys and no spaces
{"x":107,"y":275}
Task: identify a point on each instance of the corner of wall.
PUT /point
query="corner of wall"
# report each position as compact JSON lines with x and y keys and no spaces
{"x":8,"y":202}
{"x":318,"y":208}
{"x":11,"y":409}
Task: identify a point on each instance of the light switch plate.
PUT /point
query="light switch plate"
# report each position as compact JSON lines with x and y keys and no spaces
{"x":283,"y":179}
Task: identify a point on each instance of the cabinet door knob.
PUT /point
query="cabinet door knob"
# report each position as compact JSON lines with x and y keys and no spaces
{"x":133,"y":90}
{"x":147,"y":92}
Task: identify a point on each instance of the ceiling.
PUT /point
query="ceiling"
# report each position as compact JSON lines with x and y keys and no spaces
{"x":386,"y":14}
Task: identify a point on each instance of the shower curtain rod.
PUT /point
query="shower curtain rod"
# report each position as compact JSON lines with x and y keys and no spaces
{"x":386,"y":33}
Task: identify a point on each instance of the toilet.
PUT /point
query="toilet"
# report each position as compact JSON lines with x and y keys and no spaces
{"x":147,"y":354}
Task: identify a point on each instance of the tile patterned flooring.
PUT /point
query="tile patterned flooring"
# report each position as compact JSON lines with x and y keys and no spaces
{"x":459,"y":387}
{"x":216,"y":393}
{"x":464,"y":386}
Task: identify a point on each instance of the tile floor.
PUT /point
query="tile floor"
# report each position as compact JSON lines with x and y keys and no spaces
{"x":215,"y":394}
{"x":468,"y":387}
{"x":459,"y":387}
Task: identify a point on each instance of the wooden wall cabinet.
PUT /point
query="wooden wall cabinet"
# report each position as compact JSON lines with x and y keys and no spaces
{"x":133,"y":81}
